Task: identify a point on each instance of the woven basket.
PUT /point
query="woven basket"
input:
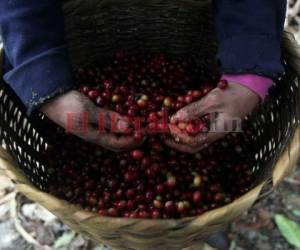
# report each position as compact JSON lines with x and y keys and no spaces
{"x":95,"y":31}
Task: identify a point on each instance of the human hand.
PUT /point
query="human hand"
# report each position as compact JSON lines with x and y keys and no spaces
{"x":75,"y":105}
{"x":227,"y":106}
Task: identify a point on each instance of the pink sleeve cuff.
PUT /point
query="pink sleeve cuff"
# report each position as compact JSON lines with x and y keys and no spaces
{"x":256,"y":83}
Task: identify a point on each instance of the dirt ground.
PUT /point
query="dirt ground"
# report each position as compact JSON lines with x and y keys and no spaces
{"x":257,"y":230}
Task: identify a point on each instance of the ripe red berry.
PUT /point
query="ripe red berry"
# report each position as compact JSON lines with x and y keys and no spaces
{"x":152,"y":128}
{"x":102,"y":212}
{"x":196,"y":93}
{"x":126,"y":214}
{"x":130,"y":176}
{"x":92,"y":201}
{"x":108,"y":85}
{"x":130,"y":193}
{"x":130,"y":205}
{"x":206,"y":90}
{"x":134,"y":214}
{"x":143,"y":215}
{"x":152,"y":117}
{"x":101,"y":204}
{"x":179,"y":105}
{"x":137,"y":154}
{"x":140,"y":188}
{"x":188,"y":99}
{"x":156,"y":146}
{"x":171,"y":182}
{"x":197,"y":197}
{"x":121,"y":205}
{"x":180,"y":99}
{"x":90,"y":184}
{"x":132,"y":112}
{"x":223,"y":84}
{"x":156,"y":214}
{"x":160,"y":189}
{"x":219,"y":197}
{"x":170,"y":207}
{"x":146,"y":162}
{"x":138,"y":135}
{"x":85,"y":89}
{"x":158,"y":99}
{"x":150,"y":172}
{"x":162,"y":127}
{"x":149,"y":196}
{"x":106,"y":95}
{"x":119,"y":193}
{"x":142,"y":103}
{"x":93,"y":94}
{"x":191,"y":129}
{"x":113,"y":212}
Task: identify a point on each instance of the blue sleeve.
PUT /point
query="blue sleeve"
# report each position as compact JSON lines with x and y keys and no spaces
{"x":34,"y":45}
{"x":249,"y":34}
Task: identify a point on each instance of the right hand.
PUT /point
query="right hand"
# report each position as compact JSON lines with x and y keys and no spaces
{"x":230,"y":107}
{"x":75,"y":104}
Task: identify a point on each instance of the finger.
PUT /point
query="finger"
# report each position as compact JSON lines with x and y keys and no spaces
{"x":193,"y":110}
{"x":183,"y":137}
{"x":181,"y":147}
{"x":218,"y":129}
{"x":221,"y":126}
{"x":110,"y":141}
{"x":119,"y":143}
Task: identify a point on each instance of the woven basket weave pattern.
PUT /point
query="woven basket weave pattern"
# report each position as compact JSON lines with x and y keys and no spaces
{"x":95,"y":31}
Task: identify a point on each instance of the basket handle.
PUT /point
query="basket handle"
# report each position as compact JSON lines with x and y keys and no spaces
{"x":291,"y":50}
{"x":1,"y":58}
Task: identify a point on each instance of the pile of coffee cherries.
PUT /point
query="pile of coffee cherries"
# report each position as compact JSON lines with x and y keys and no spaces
{"x":152,"y":181}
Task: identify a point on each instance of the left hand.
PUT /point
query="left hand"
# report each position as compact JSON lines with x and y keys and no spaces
{"x":229,"y":106}
{"x":74,"y":103}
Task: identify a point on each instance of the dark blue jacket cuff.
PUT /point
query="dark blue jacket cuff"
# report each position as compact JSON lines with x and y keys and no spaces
{"x":42,"y":77}
{"x":260,"y":54}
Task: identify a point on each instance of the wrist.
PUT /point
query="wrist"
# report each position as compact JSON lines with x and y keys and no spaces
{"x":55,"y":100}
{"x":258,"y":84}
